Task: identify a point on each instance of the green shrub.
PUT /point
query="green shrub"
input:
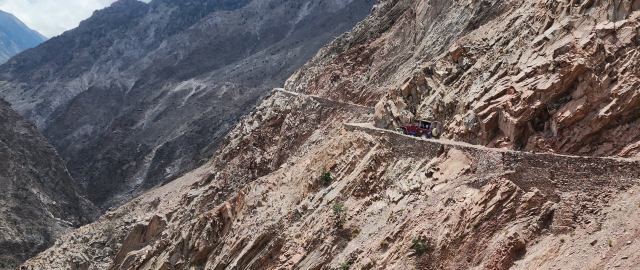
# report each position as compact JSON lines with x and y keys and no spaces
{"x":325,"y":177}
{"x":339,"y":213}
{"x":346,"y":265}
{"x":460,"y":237}
{"x":419,"y":247}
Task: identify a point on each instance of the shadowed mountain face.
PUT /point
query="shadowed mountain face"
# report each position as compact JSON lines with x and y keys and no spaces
{"x":39,"y":201}
{"x":141,"y":93}
{"x":15,"y":36}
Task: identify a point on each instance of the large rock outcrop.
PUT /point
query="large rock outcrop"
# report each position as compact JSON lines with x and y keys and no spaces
{"x":140,"y":93}
{"x":39,"y":201}
{"x":547,"y":76}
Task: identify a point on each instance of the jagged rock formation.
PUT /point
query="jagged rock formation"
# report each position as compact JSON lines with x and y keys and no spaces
{"x":39,"y":201}
{"x":391,"y":201}
{"x":531,"y":75}
{"x":16,"y":37}
{"x":546,"y":76}
{"x":141,"y":93}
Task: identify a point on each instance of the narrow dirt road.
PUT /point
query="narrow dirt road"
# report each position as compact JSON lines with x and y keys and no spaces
{"x":441,"y":141}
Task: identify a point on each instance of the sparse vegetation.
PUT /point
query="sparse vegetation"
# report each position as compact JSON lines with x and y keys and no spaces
{"x":561,"y":240}
{"x":426,"y":197}
{"x":610,"y":243}
{"x":599,"y":227}
{"x":460,"y":237}
{"x":368,"y":77}
{"x":339,"y":213}
{"x":446,"y":180}
{"x":419,"y":247}
{"x":109,"y":231}
{"x":386,"y":27}
{"x":345,"y":265}
{"x":474,"y":225}
{"x":325,"y":177}
{"x":355,"y":231}
{"x":384,"y":244}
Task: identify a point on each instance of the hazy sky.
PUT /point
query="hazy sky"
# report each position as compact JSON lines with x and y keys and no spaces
{"x":52,"y":17}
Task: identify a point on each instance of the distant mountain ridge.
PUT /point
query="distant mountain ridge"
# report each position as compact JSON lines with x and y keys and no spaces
{"x":15,"y":36}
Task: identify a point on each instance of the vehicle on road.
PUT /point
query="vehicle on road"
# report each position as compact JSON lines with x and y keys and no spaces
{"x":422,"y":128}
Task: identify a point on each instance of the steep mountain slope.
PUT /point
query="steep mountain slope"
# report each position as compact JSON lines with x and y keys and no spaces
{"x":549,"y":76}
{"x":39,"y":201}
{"x":141,"y":93}
{"x":261,"y":204}
{"x":16,"y":37}
{"x":298,"y":185}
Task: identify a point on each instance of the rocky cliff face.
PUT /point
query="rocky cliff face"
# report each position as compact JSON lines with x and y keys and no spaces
{"x":39,"y":201}
{"x":141,"y":93}
{"x":546,"y":76}
{"x":15,"y":36}
{"x":308,"y":182}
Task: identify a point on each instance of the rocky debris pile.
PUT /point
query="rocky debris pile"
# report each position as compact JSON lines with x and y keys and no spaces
{"x":548,"y":76}
{"x":39,"y":201}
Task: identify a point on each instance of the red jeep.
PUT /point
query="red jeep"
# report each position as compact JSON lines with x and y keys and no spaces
{"x":422,"y":128}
